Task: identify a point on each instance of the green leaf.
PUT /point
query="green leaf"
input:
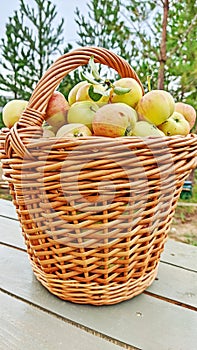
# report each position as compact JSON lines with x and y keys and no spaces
{"x":85,"y":76}
{"x":120,"y":90}
{"x":94,"y":70}
{"x":94,"y":95}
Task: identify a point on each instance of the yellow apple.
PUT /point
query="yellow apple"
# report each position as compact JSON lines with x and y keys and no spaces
{"x":12,"y":111}
{"x":144,"y":129}
{"x":56,"y":111}
{"x":156,"y":106}
{"x":132,"y":97}
{"x":187,"y":111}
{"x":176,"y":124}
{"x":83,"y":95}
{"x":73,"y":92}
{"x":114,"y":120}
{"x":73,"y":130}
{"x":82,"y":112}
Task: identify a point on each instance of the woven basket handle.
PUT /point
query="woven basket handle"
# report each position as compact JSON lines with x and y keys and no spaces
{"x":33,"y":116}
{"x":63,"y":66}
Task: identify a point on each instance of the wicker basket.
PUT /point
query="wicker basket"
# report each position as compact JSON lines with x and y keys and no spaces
{"x":95,"y":211}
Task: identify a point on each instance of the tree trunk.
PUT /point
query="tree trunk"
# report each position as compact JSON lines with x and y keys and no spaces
{"x":162,"y":57}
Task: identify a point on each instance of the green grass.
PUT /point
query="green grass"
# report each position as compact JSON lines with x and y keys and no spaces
{"x":191,"y":239}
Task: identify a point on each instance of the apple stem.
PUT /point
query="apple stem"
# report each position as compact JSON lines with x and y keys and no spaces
{"x":148,"y":81}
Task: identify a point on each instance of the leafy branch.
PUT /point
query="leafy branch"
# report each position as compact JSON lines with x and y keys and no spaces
{"x":96,"y":81}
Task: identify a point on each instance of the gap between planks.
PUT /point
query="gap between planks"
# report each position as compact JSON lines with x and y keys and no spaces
{"x":171,"y":301}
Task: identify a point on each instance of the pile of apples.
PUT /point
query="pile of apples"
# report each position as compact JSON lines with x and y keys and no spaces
{"x":97,"y":107}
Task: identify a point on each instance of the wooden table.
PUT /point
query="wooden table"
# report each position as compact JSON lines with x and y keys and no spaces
{"x":164,"y":317}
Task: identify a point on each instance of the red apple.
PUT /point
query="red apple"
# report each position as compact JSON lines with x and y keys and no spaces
{"x":56,"y":111}
{"x":187,"y":111}
{"x":114,"y":120}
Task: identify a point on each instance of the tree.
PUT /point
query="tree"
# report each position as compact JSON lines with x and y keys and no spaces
{"x":157,"y":38}
{"x":104,"y":26}
{"x":27,"y":49}
{"x":182,"y":49}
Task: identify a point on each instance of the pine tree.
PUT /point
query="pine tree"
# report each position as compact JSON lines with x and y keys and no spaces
{"x":103,"y":26}
{"x":28,"y":48}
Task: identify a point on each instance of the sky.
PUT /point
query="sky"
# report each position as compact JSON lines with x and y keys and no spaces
{"x":65,"y":9}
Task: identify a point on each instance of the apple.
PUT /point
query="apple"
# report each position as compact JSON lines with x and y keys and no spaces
{"x":114,"y":120}
{"x":56,"y":111}
{"x":101,"y":104}
{"x":144,"y":128}
{"x":132,"y":97}
{"x":12,"y":111}
{"x":82,"y":112}
{"x":73,"y":92}
{"x":83,"y":95}
{"x":48,"y":133}
{"x":176,"y":124}
{"x":73,"y":130}
{"x":156,"y":106}
{"x":47,"y":130}
{"x":187,"y":111}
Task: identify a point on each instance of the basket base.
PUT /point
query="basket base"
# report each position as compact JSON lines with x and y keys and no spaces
{"x":94,"y":293}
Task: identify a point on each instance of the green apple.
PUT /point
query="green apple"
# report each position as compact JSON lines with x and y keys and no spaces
{"x":73,"y":130}
{"x":73,"y":92}
{"x":114,"y":120}
{"x":156,"y":106}
{"x":132,"y":97}
{"x":187,"y":111}
{"x":12,"y":111}
{"x":56,"y":111}
{"x":176,"y":124}
{"x":82,"y":112}
{"x":143,"y":128}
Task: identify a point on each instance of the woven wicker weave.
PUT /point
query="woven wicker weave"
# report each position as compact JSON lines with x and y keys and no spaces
{"x":95,"y":211}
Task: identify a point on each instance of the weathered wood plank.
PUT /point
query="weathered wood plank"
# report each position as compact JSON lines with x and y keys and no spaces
{"x":144,"y":322}
{"x":24,"y":326}
{"x":10,"y":233}
{"x":7,"y":209}
{"x":176,"y":283}
{"x":180,"y":254}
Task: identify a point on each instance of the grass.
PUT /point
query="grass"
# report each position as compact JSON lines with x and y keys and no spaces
{"x":184,"y":224}
{"x":5,"y":196}
{"x":184,"y":213}
{"x":191,"y":239}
